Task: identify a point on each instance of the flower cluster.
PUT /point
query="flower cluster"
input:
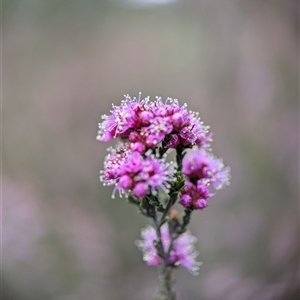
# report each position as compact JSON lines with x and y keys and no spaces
{"x":146,"y":124}
{"x":202,"y":170}
{"x":182,"y":254}
{"x":137,"y":167}
{"x":130,"y":171}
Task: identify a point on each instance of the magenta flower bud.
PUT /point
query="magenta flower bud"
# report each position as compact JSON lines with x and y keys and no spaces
{"x":152,"y":140}
{"x":146,"y":116}
{"x":141,"y":189}
{"x":139,"y":147}
{"x":177,"y":119}
{"x":193,"y":196}
{"x":187,"y":135}
{"x":134,"y":163}
{"x":125,"y":182}
{"x":202,"y":189}
{"x":200,"y":204}
{"x":186,"y":200}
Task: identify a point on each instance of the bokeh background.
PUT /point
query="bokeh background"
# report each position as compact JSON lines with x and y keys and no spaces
{"x":65,"y":62}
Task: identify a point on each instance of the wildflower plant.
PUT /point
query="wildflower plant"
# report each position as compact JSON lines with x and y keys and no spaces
{"x":137,"y":167}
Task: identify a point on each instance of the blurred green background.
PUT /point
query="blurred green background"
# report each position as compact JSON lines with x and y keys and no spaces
{"x":65,"y":62}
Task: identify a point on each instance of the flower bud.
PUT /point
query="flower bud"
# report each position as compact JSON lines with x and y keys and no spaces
{"x":141,"y":189}
{"x":201,"y":203}
{"x":125,"y":182}
{"x":186,"y":200}
{"x":177,"y":119}
{"x":138,"y":146}
{"x":146,"y":116}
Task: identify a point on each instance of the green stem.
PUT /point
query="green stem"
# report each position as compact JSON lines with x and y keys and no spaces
{"x":166,"y":210}
{"x":165,"y":278}
{"x":152,"y":206}
{"x":185,"y":221}
{"x":165,"y":271}
{"x":179,"y":157}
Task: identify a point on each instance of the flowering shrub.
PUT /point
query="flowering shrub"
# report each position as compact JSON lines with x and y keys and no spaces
{"x":137,"y":168}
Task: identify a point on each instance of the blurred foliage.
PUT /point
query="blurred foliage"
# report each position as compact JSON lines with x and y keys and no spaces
{"x":65,"y":62}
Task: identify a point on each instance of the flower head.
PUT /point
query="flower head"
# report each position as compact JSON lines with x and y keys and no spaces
{"x":123,"y":118}
{"x":132,"y":172}
{"x":193,"y":196}
{"x":199,"y":164}
{"x":158,"y":129}
{"x":202,"y":170}
{"x":113,"y":161}
{"x":149,"y":123}
{"x":183,"y":251}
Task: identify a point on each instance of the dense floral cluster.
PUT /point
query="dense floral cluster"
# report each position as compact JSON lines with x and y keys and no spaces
{"x":202,"y":170}
{"x":130,"y":171}
{"x":182,"y":254}
{"x":137,"y":167}
{"x":146,"y":124}
{"x":142,"y":126}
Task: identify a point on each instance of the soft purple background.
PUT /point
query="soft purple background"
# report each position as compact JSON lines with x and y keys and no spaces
{"x":65,"y":62}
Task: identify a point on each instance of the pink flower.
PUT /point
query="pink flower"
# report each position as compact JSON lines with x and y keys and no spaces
{"x":193,"y":196}
{"x":200,"y":132}
{"x":158,"y":129}
{"x":186,"y":200}
{"x":183,"y":252}
{"x":186,"y":124}
{"x":123,"y":118}
{"x":140,"y":189}
{"x":199,"y":164}
{"x":202,"y":170}
{"x":138,"y":146}
{"x":131,"y":172}
{"x":151,"y":122}
{"x":112,"y":163}
{"x":144,"y":125}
